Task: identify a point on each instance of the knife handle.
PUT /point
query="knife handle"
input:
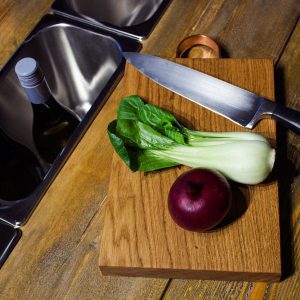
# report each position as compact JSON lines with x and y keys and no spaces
{"x":290,"y":118}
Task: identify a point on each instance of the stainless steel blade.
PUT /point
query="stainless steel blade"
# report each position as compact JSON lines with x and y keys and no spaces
{"x":239,"y":105}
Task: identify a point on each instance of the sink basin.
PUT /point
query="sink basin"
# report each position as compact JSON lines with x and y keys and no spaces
{"x":132,"y":17}
{"x":116,"y":12}
{"x":82,"y":65}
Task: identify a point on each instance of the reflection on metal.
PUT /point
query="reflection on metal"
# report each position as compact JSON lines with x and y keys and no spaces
{"x":82,"y":66}
{"x":116,"y":12}
{"x":135,"y":18}
{"x":9,"y":237}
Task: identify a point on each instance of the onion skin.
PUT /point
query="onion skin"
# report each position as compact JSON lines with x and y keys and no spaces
{"x":199,"y":199}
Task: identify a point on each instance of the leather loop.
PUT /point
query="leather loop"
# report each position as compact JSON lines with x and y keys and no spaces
{"x":192,"y":47}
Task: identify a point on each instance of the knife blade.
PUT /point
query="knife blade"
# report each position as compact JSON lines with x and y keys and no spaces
{"x":239,"y":105}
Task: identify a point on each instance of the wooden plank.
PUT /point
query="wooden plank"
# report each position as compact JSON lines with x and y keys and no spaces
{"x":287,"y":86}
{"x":288,"y":82}
{"x":16,"y":21}
{"x":242,"y":28}
{"x":177,"y":23}
{"x":140,"y":238}
{"x":64,"y":263}
{"x":5,"y":7}
{"x":214,"y":23}
{"x":247,"y":28}
{"x":34,"y":263}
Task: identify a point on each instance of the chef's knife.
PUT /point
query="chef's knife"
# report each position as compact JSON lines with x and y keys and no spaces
{"x":237,"y":104}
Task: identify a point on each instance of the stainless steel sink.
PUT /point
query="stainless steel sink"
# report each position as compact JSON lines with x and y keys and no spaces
{"x":82,"y":65}
{"x":116,"y":12}
{"x":132,"y":17}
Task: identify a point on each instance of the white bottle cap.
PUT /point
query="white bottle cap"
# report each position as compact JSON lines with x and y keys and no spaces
{"x":32,"y":80}
{"x":28,"y":72}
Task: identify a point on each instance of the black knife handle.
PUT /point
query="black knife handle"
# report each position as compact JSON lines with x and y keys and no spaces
{"x":290,"y":118}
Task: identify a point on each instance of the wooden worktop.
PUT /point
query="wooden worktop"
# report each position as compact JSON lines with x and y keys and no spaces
{"x":57,"y":256}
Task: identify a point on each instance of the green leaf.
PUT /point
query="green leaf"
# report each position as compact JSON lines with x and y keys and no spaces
{"x":155,"y":116}
{"x":140,"y":135}
{"x":118,"y":143}
{"x":129,"y":107}
{"x":133,"y":108}
{"x":140,"y":127}
{"x":135,"y":159}
{"x":162,"y":121}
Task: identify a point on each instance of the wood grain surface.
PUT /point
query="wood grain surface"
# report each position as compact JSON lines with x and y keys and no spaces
{"x":139,"y":237}
{"x":57,"y":256}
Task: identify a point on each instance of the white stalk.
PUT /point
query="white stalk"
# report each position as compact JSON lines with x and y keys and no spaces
{"x":244,"y":161}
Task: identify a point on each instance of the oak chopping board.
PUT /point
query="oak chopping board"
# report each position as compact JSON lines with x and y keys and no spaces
{"x":139,"y":237}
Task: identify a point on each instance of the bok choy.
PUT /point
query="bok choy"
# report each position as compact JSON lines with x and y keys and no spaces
{"x":148,"y":138}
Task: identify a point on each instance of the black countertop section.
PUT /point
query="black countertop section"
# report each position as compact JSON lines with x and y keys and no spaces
{"x":9,"y":236}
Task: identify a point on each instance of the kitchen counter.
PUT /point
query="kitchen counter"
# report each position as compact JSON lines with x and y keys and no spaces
{"x":57,"y":256}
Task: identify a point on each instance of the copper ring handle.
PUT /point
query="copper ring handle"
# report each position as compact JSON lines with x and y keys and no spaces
{"x":192,"y":41}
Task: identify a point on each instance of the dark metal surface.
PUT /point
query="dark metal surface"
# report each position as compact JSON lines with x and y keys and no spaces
{"x":82,"y":65}
{"x":9,"y":236}
{"x":135,"y":18}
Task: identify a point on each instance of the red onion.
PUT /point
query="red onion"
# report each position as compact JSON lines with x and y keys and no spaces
{"x":199,"y":199}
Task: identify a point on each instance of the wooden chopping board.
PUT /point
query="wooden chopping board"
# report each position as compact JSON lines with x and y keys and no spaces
{"x":139,"y":237}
